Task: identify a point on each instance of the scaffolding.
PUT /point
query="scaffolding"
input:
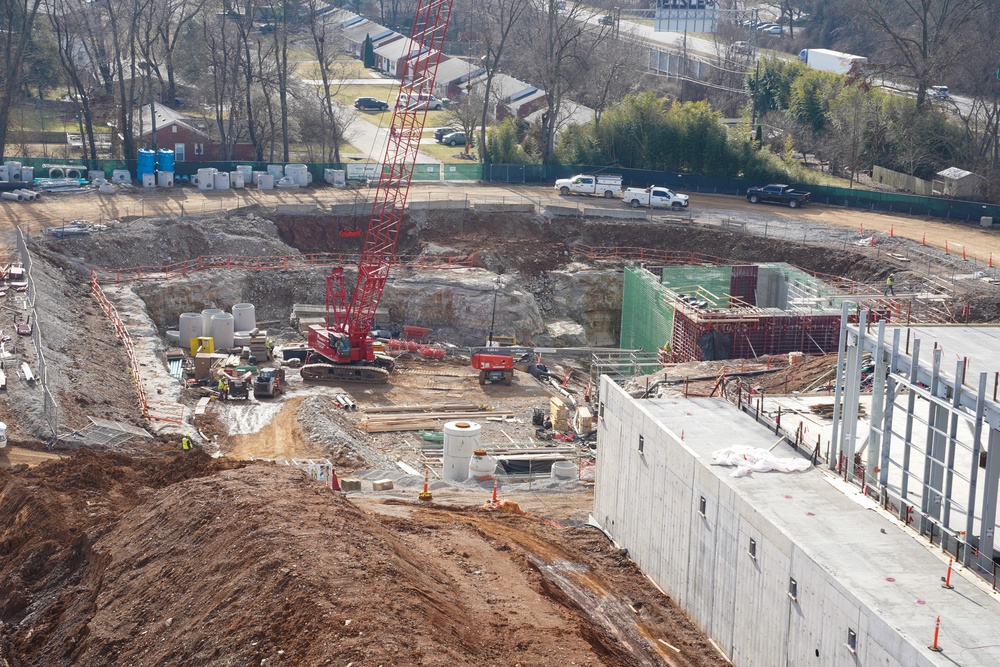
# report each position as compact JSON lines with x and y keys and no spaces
{"x":712,"y":312}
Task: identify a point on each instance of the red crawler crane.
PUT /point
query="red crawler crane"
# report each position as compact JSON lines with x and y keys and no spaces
{"x":343,"y":351}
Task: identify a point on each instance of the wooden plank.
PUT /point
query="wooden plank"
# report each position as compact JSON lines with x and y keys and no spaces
{"x":202,"y":406}
{"x":438,"y":407}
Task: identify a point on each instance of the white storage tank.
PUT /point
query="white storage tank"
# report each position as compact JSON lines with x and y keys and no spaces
{"x":298,"y":173}
{"x":190,"y":327}
{"x":206,"y":178}
{"x":27,"y":174}
{"x":255,"y":177}
{"x":482,"y":467}
{"x":461,"y":439}
{"x":221,"y":180}
{"x":206,"y":320}
{"x":14,"y":170}
{"x":266,"y":182}
{"x":121,"y":176}
{"x":165,"y":179}
{"x":236,"y":180}
{"x":246,"y":316}
{"x":149,"y":180}
{"x":222,"y":331}
{"x":246,"y":170}
{"x":276,"y":170}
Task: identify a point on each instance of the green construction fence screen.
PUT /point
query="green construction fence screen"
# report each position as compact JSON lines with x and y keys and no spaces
{"x":647,"y":320}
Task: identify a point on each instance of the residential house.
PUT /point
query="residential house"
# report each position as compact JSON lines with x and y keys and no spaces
{"x":356,"y":29}
{"x":190,"y":138}
{"x":570,"y":113}
{"x":391,"y":55}
{"x":453,"y":74}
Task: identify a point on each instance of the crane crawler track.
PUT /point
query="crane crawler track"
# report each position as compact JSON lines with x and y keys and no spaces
{"x":344,"y":373}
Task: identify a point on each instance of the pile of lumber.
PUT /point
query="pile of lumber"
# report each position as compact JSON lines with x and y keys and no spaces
{"x":825,"y":410}
{"x":417,"y":417}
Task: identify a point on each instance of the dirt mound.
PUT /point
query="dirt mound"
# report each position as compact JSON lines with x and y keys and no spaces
{"x":194,"y":560}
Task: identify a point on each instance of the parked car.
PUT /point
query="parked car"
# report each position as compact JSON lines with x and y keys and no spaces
{"x":453,"y":139}
{"x":773,"y":30}
{"x":442,"y":131}
{"x":366,"y":103}
{"x":777,"y":193}
{"x":607,"y":19}
{"x":938,"y":92}
{"x":425,"y":102}
{"x":741,"y":47}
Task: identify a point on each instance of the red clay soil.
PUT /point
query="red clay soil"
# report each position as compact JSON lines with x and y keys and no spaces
{"x":189,"y":560}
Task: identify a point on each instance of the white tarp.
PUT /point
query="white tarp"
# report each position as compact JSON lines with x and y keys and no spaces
{"x":754,"y":459}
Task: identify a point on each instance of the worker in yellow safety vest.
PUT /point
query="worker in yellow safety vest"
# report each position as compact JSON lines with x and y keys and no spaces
{"x":186,"y":444}
{"x":270,"y":348}
{"x":223,"y":386}
{"x":888,"y":286}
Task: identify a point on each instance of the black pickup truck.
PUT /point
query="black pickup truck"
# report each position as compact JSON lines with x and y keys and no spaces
{"x":782,"y":194}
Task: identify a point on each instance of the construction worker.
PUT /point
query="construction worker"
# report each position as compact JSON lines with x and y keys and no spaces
{"x":344,"y":346}
{"x":186,"y":444}
{"x":888,"y":286}
{"x":270,"y":348}
{"x":223,"y":386}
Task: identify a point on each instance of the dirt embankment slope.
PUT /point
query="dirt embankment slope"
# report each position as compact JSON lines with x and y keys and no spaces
{"x":189,"y":560}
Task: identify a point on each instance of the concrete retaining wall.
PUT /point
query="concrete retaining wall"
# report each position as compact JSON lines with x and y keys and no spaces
{"x":503,"y":208}
{"x":296,"y":209}
{"x":627,"y":214}
{"x":352,"y":209}
{"x":649,"y":501}
{"x":439,"y":205}
{"x":563,"y":210}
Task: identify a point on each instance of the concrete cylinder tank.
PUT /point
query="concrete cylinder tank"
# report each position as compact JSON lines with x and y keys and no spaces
{"x":206,"y":178}
{"x":266,"y":182}
{"x":190,"y":327}
{"x":482,"y":467}
{"x":147,"y":163}
{"x":222,"y":331}
{"x":27,"y":174}
{"x":221,"y":180}
{"x":165,"y":160}
{"x":206,"y":320}
{"x":461,"y":439}
{"x":246,"y":316}
{"x":164,"y":179}
{"x":563,"y":470}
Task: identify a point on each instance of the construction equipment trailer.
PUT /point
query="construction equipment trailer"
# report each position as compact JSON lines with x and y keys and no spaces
{"x":343,"y":349}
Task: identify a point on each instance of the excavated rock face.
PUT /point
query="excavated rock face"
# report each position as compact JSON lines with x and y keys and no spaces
{"x":458,"y":305}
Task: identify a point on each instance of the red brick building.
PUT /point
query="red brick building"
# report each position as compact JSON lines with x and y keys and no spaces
{"x":189,"y":138}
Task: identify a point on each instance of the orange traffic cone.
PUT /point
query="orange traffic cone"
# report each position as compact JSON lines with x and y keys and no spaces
{"x":937,"y":629}
{"x":946,"y":248}
{"x":892,"y":231}
{"x":991,"y":259}
{"x":924,"y":240}
{"x":493,"y":501}
{"x":426,"y":494}
{"x":872,"y":241}
{"x":963,"y":254}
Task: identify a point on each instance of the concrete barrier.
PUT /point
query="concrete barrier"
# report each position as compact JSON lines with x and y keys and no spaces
{"x":437,"y":205}
{"x":503,"y":208}
{"x":296,"y":209}
{"x":563,"y":210}
{"x":352,"y":209}
{"x":624,"y":214}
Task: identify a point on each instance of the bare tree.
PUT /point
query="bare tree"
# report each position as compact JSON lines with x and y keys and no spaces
{"x":175,"y":18}
{"x":556,"y":55}
{"x":220,"y":34}
{"x":325,"y":37}
{"x":466,"y":114}
{"x":924,"y":39}
{"x":496,"y":21}
{"x":66,"y":18}
{"x":16,"y":19}
{"x":283,"y":13}
{"x":615,"y":73}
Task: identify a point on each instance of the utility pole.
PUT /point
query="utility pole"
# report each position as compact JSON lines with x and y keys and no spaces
{"x":756,"y":88}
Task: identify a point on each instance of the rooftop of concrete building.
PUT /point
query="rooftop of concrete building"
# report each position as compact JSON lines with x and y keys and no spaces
{"x":872,"y":555}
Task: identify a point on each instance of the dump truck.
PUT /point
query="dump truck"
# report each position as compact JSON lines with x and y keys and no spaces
{"x":605,"y":185}
{"x":269,"y":383}
{"x":654,"y":196}
{"x":831,"y":61}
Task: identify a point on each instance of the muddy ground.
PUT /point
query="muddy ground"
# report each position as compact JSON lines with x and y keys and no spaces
{"x":144,"y":556}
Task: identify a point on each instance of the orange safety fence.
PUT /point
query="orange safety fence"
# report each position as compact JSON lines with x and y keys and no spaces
{"x":267,"y":263}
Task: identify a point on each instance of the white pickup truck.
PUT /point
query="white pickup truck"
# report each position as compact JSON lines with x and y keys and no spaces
{"x":654,"y":197}
{"x":607,"y":185}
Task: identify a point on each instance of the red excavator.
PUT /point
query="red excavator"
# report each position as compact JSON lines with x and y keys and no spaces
{"x":343,"y":349}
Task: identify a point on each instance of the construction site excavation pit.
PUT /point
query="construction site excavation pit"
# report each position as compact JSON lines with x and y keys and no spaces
{"x":365,"y":577}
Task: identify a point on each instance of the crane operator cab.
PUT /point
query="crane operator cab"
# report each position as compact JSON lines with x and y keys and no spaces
{"x":341,"y":344}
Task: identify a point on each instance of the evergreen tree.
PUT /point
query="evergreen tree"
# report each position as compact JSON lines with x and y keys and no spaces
{"x":368,"y":53}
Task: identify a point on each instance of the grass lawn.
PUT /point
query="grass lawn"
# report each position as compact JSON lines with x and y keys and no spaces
{"x":385,"y":92}
{"x":447,"y":154}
